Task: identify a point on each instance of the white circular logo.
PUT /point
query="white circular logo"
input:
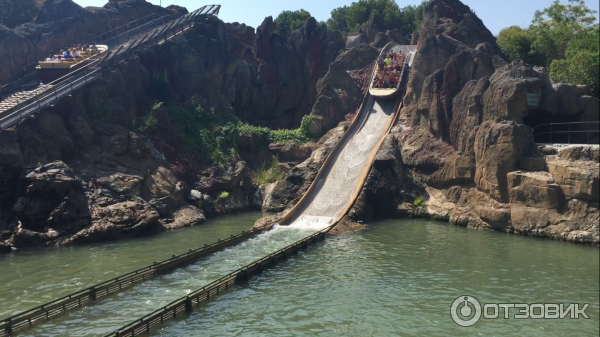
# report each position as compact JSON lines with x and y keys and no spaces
{"x":465,"y":310}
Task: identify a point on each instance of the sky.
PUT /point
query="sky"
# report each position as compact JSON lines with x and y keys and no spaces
{"x":495,"y":14}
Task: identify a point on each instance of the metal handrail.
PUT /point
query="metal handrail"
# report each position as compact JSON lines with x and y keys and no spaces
{"x":184,"y":303}
{"x":7,"y":325}
{"x":151,"y":24}
{"x":20,"y":105}
{"x":5,"y":121}
{"x":98,"y":38}
{"x":171,"y":30}
{"x":18,"y":82}
{"x":553,"y":130}
{"x":94,"y":39}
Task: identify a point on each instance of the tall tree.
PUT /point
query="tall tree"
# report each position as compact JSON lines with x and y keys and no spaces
{"x":581,"y":64}
{"x":350,"y":19}
{"x":516,"y":43}
{"x":563,"y":37}
{"x":556,"y":26}
{"x":292,"y":19}
{"x":16,"y":12}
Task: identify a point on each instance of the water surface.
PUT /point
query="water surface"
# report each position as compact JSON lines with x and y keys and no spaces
{"x":116,"y":310}
{"x":31,"y":278}
{"x":399,"y":279}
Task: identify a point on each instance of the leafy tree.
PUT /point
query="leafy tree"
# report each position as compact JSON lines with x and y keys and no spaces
{"x":351,"y":19}
{"x":563,"y":37}
{"x":516,"y":43}
{"x":16,"y":12}
{"x":414,"y":15}
{"x":582,"y":61}
{"x":556,"y":26}
{"x":292,"y":19}
{"x":338,"y":19}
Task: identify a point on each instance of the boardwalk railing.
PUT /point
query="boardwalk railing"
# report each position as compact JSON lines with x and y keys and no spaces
{"x":185,"y":304}
{"x":81,"y":297}
{"x":109,"y":37}
{"x":62,"y":87}
{"x":567,"y":133}
{"x":147,"y":34}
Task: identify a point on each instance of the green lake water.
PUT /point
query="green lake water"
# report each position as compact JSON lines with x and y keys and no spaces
{"x":398,"y":278}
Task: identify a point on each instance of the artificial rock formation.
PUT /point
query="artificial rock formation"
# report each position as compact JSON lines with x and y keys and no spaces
{"x":465,"y":135}
{"x":463,"y":142}
{"x":134,"y":184}
{"x":463,"y":149}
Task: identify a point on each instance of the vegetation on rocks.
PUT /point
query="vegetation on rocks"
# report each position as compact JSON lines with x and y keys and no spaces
{"x":218,"y":137}
{"x":419,"y":202}
{"x":563,"y":37}
{"x":268,"y":172}
{"x":223,"y":195}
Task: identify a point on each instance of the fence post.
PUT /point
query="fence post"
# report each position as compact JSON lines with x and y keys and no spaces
{"x":550,"y":133}
{"x":8,"y":328}
{"x":188,"y":305}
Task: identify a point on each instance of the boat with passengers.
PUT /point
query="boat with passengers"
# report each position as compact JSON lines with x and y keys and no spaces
{"x":393,"y":64}
{"x":67,"y":61}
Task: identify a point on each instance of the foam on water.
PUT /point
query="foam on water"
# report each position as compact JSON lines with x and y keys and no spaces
{"x":312,"y":222}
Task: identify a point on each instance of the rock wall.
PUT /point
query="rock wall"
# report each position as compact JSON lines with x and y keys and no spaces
{"x":465,"y":136}
{"x":125,"y":184}
{"x":80,"y":172}
{"x":463,"y":149}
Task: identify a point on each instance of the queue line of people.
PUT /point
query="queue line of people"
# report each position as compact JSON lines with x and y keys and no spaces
{"x":389,"y":70}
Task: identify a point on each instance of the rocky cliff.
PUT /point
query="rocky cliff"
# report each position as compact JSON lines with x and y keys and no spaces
{"x":84,"y":171}
{"x":463,"y":149}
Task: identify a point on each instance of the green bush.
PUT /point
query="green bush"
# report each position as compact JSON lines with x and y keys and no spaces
{"x":216,"y":137}
{"x":268,"y":172}
{"x":223,"y":195}
{"x":420,"y":202}
{"x":148,"y":124}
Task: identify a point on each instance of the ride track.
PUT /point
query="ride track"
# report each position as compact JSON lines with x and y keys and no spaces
{"x":122,"y":47}
{"x":329,"y":197}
